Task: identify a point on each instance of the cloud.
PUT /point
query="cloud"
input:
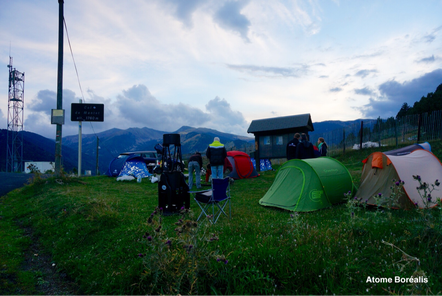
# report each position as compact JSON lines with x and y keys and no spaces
{"x":138,"y":107}
{"x":185,"y":9}
{"x":134,"y":107}
{"x":229,"y":17}
{"x":427,"y":59}
{"x":377,"y":53}
{"x":380,"y":107}
{"x":222,"y":115}
{"x":194,"y":52}
{"x":303,"y":14}
{"x":271,"y":72}
{"x":411,"y":91}
{"x":432,"y":36}
{"x":227,"y":14}
{"x":429,"y":38}
{"x":364,"y":91}
{"x":46,"y":100}
{"x":365,"y":73}
{"x":38,"y":119}
{"x":393,"y":94}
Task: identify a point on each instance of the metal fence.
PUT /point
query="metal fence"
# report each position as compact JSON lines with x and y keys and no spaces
{"x":385,"y":132}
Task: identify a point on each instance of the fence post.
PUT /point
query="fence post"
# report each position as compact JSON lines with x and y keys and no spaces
{"x":440,"y":126}
{"x":419,"y":123}
{"x":403,"y":132}
{"x":379,"y":121}
{"x":343,"y":147}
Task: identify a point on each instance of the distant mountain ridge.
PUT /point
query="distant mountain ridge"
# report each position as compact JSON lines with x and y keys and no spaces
{"x":39,"y":148}
{"x":115,"y":141}
{"x":324,"y":127}
{"x":331,"y":125}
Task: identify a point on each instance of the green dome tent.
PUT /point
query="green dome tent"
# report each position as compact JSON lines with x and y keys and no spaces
{"x":304,"y":185}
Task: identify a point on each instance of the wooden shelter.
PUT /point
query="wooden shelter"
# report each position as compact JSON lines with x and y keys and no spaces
{"x":273,"y":134}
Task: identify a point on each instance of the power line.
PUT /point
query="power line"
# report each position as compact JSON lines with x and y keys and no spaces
{"x":78,"y":79}
{"x":72,"y":54}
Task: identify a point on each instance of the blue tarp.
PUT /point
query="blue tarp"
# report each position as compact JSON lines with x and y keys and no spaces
{"x":135,"y":167}
{"x":265,"y":165}
{"x":132,"y":165}
{"x":254,"y":162}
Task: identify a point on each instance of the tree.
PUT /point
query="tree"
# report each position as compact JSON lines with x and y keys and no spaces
{"x":390,"y":123}
{"x":351,"y":139}
{"x":429,"y":103}
{"x":366,"y":134}
{"x":377,"y":127}
{"x":404,"y":111}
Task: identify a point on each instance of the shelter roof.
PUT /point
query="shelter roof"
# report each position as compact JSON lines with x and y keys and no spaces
{"x":281,"y":123}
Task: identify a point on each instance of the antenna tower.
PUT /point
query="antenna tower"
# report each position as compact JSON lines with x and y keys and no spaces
{"x":16,"y":104}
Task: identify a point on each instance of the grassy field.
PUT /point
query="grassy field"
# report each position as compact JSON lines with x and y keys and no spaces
{"x":104,"y":237}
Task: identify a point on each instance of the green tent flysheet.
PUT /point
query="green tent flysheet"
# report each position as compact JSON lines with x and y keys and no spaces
{"x":304,"y":185}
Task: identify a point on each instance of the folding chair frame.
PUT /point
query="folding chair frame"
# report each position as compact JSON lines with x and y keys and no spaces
{"x":217,"y":199}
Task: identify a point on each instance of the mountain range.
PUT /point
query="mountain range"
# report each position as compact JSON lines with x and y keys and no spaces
{"x":115,"y":141}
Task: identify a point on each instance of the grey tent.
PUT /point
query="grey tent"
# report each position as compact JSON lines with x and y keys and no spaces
{"x":380,"y":169}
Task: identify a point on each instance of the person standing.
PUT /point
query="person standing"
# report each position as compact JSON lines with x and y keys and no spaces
{"x":291,"y":147}
{"x":195,"y":164}
{"x":216,"y":153}
{"x":305,"y":148}
{"x":322,"y":146}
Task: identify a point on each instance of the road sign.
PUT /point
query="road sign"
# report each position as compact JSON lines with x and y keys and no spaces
{"x":87,"y":112}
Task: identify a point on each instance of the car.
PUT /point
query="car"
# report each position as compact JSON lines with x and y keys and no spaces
{"x":150,"y":158}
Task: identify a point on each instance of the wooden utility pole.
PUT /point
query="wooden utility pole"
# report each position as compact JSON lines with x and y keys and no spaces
{"x":58,"y":135}
{"x":419,"y":124}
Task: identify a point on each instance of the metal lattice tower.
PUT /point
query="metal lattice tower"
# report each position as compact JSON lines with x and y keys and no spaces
{"x":16,"y":104}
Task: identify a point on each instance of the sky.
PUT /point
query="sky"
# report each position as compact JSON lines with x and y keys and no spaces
{"x":219,"y":64}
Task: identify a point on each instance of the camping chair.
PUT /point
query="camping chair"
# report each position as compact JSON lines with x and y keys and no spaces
{"x":216,"y":198}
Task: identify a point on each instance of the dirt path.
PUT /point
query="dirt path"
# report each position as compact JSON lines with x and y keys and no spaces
{"x":49,"y":280}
